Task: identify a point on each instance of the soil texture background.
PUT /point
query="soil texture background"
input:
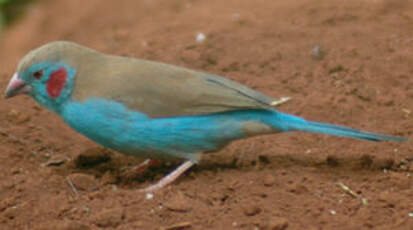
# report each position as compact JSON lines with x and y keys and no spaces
{"x":343,"y":62}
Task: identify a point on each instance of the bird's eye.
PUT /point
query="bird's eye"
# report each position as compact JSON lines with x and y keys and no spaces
{"x":37,"y":74}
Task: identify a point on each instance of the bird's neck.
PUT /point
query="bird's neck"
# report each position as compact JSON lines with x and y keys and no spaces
{"x":55,"y":105}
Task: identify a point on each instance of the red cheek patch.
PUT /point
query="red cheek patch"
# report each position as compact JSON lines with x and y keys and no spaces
{"x":56,"y":82}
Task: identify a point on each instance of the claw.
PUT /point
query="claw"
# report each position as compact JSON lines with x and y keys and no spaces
{"x":141,"y":167}
{"x":280,"y":101}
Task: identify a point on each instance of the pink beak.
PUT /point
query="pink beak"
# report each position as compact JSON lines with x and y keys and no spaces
{"x":16,"y":86}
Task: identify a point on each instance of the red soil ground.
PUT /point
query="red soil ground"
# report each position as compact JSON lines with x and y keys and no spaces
{"x":362,"y":78}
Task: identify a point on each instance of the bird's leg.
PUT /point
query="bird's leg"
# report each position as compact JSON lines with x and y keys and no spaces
{"x":170,"y":177}
{"x":280,"y":101}
{"x":141,"y":167}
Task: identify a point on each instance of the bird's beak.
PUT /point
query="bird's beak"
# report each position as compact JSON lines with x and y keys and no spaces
{"x":16,"y":86}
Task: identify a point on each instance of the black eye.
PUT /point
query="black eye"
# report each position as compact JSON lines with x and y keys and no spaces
{"x":38,"y":74}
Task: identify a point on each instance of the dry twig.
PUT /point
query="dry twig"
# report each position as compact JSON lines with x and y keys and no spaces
{"x":178,"y":226}
{"x":352,"y":193}
{"x":72,"y":186}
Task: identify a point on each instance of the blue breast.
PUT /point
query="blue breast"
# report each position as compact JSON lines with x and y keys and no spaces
{"x":114,"y":126}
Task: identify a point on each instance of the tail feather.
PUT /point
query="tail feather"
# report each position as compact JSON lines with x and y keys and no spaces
{"x":295,"y":123}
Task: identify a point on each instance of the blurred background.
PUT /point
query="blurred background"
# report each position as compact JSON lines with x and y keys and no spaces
{"x":12,"y":9}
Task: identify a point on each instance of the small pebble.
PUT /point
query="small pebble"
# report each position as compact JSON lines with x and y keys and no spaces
{"x":56,"y":160}
{"x":109,"y":218}
{"x":149,"y":196}
{"x":200,"y":37}
{"x":13,"y":114}
{"x":252,"y":210}
{"x":179,"y":203}
{"x":269,"y":180}
{"x":83,"y":181}
{"x":22,"y":118}
{"x":318,"y":52}
{"x":178,"y":226}
{"x":278,"y":223}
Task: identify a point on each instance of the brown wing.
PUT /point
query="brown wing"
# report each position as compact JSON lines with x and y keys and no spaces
{"x":162,"y":90}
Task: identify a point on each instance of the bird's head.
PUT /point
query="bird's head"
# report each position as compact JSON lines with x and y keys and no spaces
{"x":46,"y":74}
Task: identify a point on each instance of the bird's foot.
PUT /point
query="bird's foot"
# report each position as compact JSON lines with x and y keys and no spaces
{"x":171,"y":177}
{"x":139,"y":169}
{"x":280,"y":101}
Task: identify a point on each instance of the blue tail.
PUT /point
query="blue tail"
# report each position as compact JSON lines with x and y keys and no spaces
{"x":288,"y":122}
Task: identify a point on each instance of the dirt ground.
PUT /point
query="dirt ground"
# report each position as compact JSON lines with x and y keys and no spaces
{"x":345,"y":62}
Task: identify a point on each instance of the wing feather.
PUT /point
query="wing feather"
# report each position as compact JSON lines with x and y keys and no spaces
{"x":162,"y":90}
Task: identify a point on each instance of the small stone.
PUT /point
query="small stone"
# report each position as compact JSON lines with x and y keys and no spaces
{"x":17,"y":117}
{"x":149,"y":196}
{"x":56,"y":160}
{"x":83,"y":181}
{"x":252,"y":210}
{"x":178,"y":226}
{"x":317,"y":52}
{"x":179,"y":203}
{"x":13,"y":114}
{"x":200,"y":37}
{"x":109,"y":218}
{"x":269,"y":180}
{"x":278,"y":223}
{"x":406,"y":111}
{"x":22,"y":118}
{"x":36,"y":107}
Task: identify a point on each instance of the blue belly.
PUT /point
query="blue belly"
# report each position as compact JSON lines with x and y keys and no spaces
{"x":114,"y":126}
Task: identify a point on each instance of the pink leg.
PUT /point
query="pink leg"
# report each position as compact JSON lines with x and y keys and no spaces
{"x":170,"y":177}
{"x":142,"y":166}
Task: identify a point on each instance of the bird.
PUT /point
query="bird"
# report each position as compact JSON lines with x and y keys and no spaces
{"x":154,"y":110}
